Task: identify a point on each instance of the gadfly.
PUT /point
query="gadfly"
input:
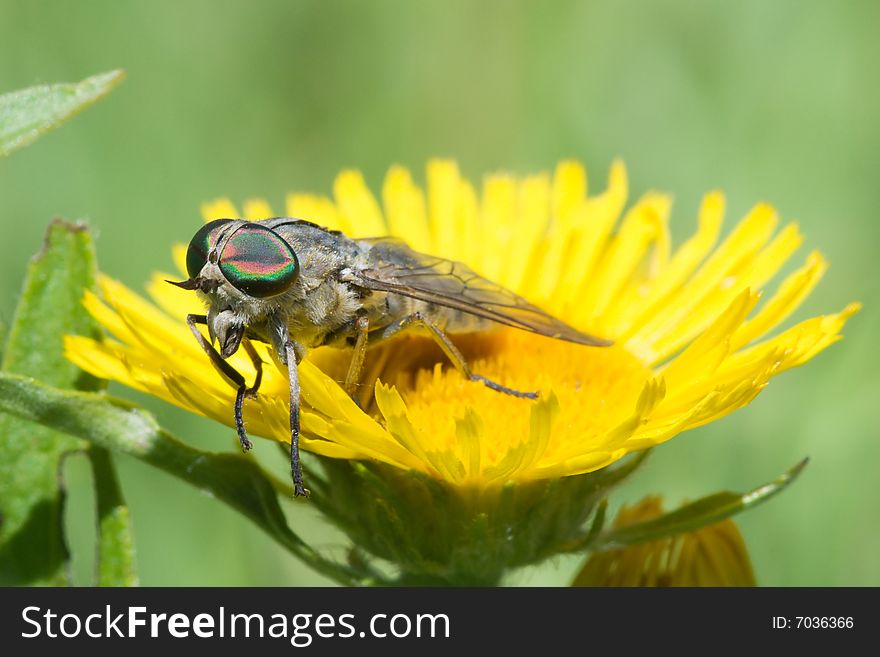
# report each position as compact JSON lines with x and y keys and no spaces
{"x":294,"y":285}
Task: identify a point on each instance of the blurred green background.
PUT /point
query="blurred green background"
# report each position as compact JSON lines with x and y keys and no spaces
{"x":775,"y":101}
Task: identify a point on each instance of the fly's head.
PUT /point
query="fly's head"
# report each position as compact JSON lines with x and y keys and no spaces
{"x":241,"y":269}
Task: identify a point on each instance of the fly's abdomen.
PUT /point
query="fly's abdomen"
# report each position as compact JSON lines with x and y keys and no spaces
{"x":448,"y":320}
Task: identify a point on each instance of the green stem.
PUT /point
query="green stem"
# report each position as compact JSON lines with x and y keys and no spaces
{"x":115,"y":560}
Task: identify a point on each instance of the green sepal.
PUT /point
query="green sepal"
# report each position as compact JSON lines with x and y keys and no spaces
{"x":28,"y":113}
{"x":435,"y":533}
{"x":705,"y":511}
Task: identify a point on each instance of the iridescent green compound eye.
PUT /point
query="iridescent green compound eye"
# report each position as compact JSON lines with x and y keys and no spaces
{"x":257,"y":261}
{"x":201,"y":244}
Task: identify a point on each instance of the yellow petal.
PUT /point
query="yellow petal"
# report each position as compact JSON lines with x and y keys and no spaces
{"x":405,"y":209}
{"x":317,"y":209}
{"x":444,"y":184}
{"x":221,"y":208}
{"x":360,"y":213}
{"x":256,"y":209}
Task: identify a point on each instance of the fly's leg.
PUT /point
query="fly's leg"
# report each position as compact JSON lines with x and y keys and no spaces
{"x":249,"y":392}
{"x":450,"y":350}
{"x":293,"y":376}
{"x":362,"y":328}
{"x":258,"y":366}
{"x":288,"y":353}
{"x":231,"y":373}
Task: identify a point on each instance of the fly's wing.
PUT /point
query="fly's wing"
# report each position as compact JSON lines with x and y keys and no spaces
{"x":394,"y":267}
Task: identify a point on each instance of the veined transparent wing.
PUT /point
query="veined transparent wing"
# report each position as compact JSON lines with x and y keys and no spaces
{"x":397,"y":268}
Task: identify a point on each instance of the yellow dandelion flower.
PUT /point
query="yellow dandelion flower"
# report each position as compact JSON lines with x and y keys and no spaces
{"x":691,"y":339}
{"x":714,"y":555}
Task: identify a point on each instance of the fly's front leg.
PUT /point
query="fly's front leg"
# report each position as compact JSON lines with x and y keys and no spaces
{"x":293,"y":376}
{"x":451,"y":351}
{"x":231,"y":373}
{"x":286,"y":351}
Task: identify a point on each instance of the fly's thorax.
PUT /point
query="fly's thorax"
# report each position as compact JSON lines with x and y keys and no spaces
{"x":329,"y":309}
{"x":310,"y":241}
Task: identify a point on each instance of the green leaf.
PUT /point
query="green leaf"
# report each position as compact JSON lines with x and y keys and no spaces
{"x":28,"y":113}
{"x":51,"y":307}
{"x":32,"y":547}
{"x":120,"y":427}
{"x":703,"y":512}
{"x":116,"y":564}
